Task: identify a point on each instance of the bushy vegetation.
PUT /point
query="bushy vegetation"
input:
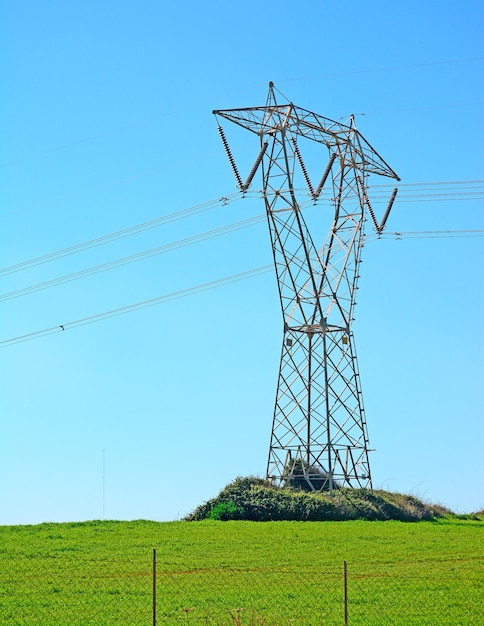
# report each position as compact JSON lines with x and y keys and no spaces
{"x":253,"y":499}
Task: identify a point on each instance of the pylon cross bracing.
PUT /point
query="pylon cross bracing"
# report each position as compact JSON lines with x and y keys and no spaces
{"x":319,"y":431}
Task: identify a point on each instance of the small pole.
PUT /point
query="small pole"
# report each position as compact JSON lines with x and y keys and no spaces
{"x":345,"y":570}
{"x":154,"y":586}
{"x":104,"y":483}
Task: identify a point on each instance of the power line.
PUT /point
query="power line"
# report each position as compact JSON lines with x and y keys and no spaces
{"x":209,"y":235}
{"x":130,"y":308}
{"x":475,"y":191}
{"x":382,"y":69}
{"x":441,"y":190}
{"x":433,"y":197}
{"x":88,"y":139}
{"x":425,"y":234}
{"x":119,"y":234}
{"x":147,"y":120}
{"x":432,"y":182}
{"x":138,"y":256}
{"x":133,"y":257}
{"x":425,"y":108}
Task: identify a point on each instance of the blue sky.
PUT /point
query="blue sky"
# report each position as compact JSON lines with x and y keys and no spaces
{"x":107,"y":123}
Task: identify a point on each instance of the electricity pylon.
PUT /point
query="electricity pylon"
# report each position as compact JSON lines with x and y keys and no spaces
{"x":319,"y":432}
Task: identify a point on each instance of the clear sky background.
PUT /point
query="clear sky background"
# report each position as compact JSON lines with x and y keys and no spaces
{"x":107,"y":123}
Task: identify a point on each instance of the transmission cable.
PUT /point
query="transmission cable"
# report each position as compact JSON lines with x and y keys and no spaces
{"x":138,"y":305}
{"x":165,"y":219}
{"x":119,"y":234}
{"x":425,"y":234}
{"x":206,"y":286}
{"x":161,"y":115}
{"x":146,"y":254}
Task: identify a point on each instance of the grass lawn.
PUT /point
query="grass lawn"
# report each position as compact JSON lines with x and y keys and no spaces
{"x":242,"y":573}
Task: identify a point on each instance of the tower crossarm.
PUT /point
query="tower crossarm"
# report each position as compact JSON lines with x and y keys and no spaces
{"x":265,"y":121}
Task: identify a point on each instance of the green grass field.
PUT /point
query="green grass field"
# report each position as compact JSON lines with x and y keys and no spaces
{"x":243,"y":573}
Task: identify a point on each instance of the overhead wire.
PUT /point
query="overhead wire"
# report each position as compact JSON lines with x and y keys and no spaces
{"x":145,"y":254}
{"x":432,"y":197}
{"x":434,"y":182}
{"x":431,"y":190}
{"x":424,"y":234}
{"x":476,"y":192}
{"x":204,"y":287}
{"x":139,"y":256}
{"x":119,"y":234}
{"x":144,"y":121}
{"x":210,"y":285}
{"x":211,"y":234}
{"x":138,"y":305}
{"x":383,"y":69}
{"x":87,"y":139}
{"x":432,"y":187}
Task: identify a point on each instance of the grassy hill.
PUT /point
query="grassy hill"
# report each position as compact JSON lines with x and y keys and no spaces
{"x":253,"y":499}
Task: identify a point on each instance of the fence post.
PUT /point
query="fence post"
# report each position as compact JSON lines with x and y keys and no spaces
{"x":154,"y":586}
{"x":345,"y":576}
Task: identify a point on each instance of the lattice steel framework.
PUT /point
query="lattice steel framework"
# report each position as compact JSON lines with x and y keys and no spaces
{"x":319,"y":431}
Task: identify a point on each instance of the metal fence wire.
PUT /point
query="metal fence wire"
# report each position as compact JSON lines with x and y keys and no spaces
{"x":74,"y":588}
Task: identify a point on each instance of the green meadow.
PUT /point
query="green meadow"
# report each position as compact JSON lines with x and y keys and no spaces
{"x":240,"y":572}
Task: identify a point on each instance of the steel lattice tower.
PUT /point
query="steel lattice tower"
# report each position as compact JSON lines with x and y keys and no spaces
{"x":319,"y":432}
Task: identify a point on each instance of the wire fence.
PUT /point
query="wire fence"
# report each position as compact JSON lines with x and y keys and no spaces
{"x":77,"y":588}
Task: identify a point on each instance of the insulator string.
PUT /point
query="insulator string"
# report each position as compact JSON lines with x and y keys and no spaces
{"x":230,"y":157}
{"x":387,"y":212}
{"x":366,"y":200}
{"x":302,"y":166}
{"x":255,"y":167}
{"x":324,"y":176}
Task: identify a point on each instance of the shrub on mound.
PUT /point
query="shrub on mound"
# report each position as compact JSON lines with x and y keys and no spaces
{"x":254,"y":499}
